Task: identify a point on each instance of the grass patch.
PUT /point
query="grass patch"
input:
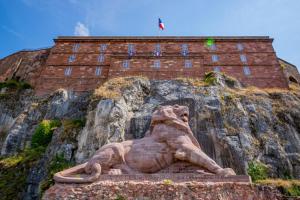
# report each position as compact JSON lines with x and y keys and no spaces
{"x":112,"y":89}
{"x":71,"y":129}
{"x":57,"y":164}
{"x":192,"y":81}
{"x":257,"y":171}
{"x":287,"y":187}
{"x":167,"y":182}
{"x":14,"y":84}
{"x":14,"y":171}
{"x":43,"y":133}
{"x":210,"y":78}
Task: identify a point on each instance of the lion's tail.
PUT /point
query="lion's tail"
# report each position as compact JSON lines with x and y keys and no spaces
{"x":69,"y":175}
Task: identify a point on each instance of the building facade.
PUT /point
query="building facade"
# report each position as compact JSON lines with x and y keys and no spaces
{"x":83,"y":63}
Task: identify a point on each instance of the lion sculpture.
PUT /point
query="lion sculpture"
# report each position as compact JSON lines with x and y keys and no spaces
{"x":168,"y":140}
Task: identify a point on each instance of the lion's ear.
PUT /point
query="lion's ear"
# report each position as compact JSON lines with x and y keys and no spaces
{"x":163,"y":113}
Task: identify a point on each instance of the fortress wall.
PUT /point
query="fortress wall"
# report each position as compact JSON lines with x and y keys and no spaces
{"x":116,"y":60}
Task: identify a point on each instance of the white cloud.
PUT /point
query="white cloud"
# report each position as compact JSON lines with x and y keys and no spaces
{"x":81,"y":30}
{"x":12,"y":31}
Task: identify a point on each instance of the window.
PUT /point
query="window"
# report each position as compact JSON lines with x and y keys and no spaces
{"x":188,"y":64}
{"x":217,"y":69}
{"x":240,"y":47}
{"x":184,"y":49}
{"x":131,"y":49}
{"x":157,"y":51}
{"x":213,"y":47}
{"x":103,"y":47}
{"x":71,"y":58}
{"x":156,"y":64}
{"x":98,"y":71}
{"x":215,"y":58}
{"x":247,"y":71}
{"x":76,"y":47}
{"x":101,"y":58}
{"x":243,"y":58}
{"x":125,"y":64}
{"x":68,"y":71}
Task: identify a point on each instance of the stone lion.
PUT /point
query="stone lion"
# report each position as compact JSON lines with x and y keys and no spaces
{"x":168,"y":140}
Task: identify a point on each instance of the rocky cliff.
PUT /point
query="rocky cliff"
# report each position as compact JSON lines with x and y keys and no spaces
{"x":234,"y":125}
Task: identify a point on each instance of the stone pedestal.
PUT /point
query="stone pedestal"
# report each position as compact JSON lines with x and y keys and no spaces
{"x":164,"y":187}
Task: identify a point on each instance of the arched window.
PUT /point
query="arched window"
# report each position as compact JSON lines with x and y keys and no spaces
{"x":292,"y":79}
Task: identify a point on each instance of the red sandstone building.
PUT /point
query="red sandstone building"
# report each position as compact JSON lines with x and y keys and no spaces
{"x":82,"y":63}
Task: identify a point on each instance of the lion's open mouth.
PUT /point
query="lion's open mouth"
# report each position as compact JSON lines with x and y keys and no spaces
{"x":185,"y":117}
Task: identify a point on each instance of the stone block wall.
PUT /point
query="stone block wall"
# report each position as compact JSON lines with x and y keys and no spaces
{"x":92,"y":60}
{"x":83,"y":63}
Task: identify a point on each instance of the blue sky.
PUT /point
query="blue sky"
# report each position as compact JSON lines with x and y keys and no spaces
{"x":30,"y":24}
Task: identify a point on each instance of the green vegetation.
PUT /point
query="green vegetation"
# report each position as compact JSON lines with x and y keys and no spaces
{"x":259,"y":174}
{"x":58,"y":163}
{"x":167,"y":182}
{"x":257,"y":171}
{"x":43,"y":133}
{"x":14,"y":171}
{"x":14,"y":84}
{"x":210,"y":78}
{"x":71,"y":129}
{"x":112,"y":89}
{"x":287,"y":187}
{"x":120,"y":197}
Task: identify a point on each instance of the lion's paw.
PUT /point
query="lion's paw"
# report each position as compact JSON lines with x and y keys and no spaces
{"x":226,"y":172}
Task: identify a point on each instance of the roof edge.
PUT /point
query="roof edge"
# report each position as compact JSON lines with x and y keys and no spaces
{"x":287,"y":62}
{"x":136,"y":38}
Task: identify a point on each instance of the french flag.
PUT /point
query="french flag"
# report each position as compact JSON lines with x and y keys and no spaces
{"x":161,"y":24}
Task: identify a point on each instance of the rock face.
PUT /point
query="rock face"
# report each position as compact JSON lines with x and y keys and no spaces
{"x":25,"y":65}
{"x":162,"y":189}
{"x":233,"y":125}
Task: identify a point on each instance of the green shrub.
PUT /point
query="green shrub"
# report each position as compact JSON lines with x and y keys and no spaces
{"x":210,"y":78}
{"x":73,"y":123}
{"x":287,"y":187}
{"x":14,"y":84}
{"x":120,"y":197}
{"x":14,"y":171}
{"x":43,"y":133}
{"x":58,"y":163}
{"x":71,"y":129}
{"x":257,"y":171}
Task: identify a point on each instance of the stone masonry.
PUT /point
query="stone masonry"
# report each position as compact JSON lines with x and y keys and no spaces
{"x":81,"y":63}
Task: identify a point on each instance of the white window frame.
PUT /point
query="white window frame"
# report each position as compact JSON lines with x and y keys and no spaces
{"x":215,"y":58}
{"x":240,"y":46}
{"x":76,"y":47}
{"x":98,"y":71}
{"x":213,"y":47}
{"x":131,"y":49}
{"x":157,"y":50}
{"x":184,"y":49}
{"x":217,"y":69}
{"x":156,"y":63}
{"x":68,"y":71}
{"x":243,"y":58}
{"x":71,"y":58}
{"x":188,"y":64}
{"x":103,"y":47}
{"x":247,"y":71}
{"x":125,"y":64}
{"x":101,"y":58}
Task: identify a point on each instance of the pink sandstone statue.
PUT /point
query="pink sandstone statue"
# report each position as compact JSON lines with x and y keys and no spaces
{"x":168,"y":141}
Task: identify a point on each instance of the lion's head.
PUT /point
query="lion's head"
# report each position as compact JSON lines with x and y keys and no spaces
{"x":171,"y":113}
{"x":176,"y":116}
